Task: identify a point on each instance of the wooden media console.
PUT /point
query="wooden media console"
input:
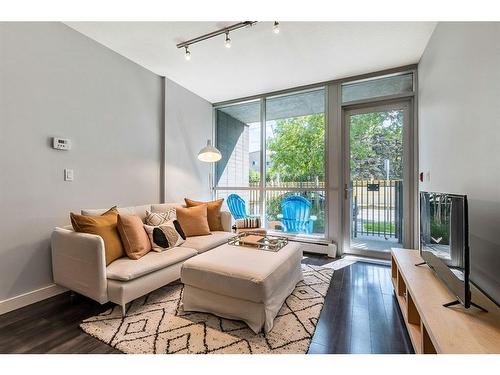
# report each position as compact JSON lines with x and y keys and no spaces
{"x":432,"y":327}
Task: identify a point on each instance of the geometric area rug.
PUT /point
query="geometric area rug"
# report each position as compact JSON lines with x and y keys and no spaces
{"x":156,"y":323}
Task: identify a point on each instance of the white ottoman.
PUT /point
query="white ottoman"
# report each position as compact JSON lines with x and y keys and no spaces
{"x":241,"y":283}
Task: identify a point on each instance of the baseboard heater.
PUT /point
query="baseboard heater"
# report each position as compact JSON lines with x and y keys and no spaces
{"x":329,"y":249}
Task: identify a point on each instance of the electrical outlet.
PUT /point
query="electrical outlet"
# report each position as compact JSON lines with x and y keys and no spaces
{"x":68,"y":175}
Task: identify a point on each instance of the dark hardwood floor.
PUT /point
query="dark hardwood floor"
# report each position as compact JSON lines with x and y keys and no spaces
{"x":360,"y":315}
{"x":52,"y":326}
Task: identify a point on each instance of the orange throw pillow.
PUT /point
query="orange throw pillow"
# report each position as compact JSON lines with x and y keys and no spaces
{"x":193,"y":220}
{"x":134,"y":237}
{"x":104,"y":226}
{"x":213,"y":212}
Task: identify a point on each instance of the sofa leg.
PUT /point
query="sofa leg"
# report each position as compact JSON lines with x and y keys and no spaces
{"x":124,"y":309}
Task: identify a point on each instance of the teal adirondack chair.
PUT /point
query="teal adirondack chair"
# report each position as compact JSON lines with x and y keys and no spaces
{"x":237,"y":206}
{"x":296,"y":215}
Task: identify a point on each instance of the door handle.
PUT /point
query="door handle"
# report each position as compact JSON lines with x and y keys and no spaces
{"x":347,"y":190}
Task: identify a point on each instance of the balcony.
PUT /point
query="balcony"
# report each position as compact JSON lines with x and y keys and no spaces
{"x":376,"y":214}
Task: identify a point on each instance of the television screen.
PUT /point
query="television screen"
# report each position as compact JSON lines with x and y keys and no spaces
{"x":444,"y":240}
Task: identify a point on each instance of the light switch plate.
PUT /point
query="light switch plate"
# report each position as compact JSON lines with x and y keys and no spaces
{"x":68,"y":175}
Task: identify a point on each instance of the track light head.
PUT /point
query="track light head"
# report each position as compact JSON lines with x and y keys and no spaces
{"x":276,"y":27}
{"x":227,"y":43}
{"x":187,"y":54}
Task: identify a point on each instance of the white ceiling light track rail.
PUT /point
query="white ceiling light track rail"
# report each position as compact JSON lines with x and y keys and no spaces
{"x":224,"y":31}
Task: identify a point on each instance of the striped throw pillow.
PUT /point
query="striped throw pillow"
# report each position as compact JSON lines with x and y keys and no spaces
{"x":249,"y":222}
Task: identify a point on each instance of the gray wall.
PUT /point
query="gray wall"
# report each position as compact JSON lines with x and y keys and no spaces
{"x":459,"y":125}
{"x":233,"y":142}
{"x":188,"y":125}
{"x":57,"y":82}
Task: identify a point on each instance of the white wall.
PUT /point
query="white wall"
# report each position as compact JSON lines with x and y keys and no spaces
{"x":188,"y":125}
{"x":459,"y":125}
{"x":57,"y":82}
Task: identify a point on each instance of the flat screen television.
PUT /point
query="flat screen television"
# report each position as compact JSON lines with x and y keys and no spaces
{"x":444,"y":241}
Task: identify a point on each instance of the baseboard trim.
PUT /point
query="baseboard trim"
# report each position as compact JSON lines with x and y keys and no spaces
{"x":29,"y":298}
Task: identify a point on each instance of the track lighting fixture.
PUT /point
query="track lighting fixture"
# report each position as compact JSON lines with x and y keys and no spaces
{"x":276,"y":27}
{"x":226,"y":30}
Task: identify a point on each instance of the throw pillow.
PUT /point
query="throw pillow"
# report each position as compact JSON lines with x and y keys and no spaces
{"x":158,"y":218}
{"x":104,"y":226}
{"x":249,"y":222}
{"x":193,"y":220}
{"x":165,"y":236}
{"x":213,"y":212}
{"x":134,"y":238}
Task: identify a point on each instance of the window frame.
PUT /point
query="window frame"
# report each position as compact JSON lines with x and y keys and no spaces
{"x":262,"y":187}
{"x":334,"y":145}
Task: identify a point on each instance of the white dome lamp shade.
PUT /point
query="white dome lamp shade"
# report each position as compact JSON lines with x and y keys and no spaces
{"x":209,"y":153}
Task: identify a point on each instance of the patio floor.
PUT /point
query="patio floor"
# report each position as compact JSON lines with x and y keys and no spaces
{"x":374,"y":243}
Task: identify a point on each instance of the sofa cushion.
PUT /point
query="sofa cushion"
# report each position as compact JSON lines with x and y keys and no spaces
{"x":193,"y":220}
{"x":132,"y":210}
{"x":208,"y":242}
{"x":165,"y":207}
{"x":103,"y":225}
{"x":165,"y":236}
{"x":158,"y":218}
{"x":213,"y":212}
{"x":134,"y":238}
{"x":125,"y":269}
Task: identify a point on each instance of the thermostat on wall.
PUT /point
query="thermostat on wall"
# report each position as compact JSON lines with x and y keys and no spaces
{"x":61,"y":144}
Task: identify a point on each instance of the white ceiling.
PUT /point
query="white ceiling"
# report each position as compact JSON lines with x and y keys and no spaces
{"x":260,"y":61}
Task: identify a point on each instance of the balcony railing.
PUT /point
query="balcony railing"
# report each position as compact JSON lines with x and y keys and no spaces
{"x":377,"y":208}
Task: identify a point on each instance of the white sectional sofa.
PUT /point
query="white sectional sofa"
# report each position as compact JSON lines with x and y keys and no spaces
{"x":78,"y":260}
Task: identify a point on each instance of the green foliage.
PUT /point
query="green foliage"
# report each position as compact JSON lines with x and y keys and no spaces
{"x":374,"y":137}
{"x":440,"y":219}
{"x":440,"y":230}
{"x":297,"y":151}
{"x":254,"y":176}
{"x":273,"y":205}
{"x":378,"y":226}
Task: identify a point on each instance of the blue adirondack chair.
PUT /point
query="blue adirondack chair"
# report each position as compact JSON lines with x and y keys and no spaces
{"x":237,"y":206}
{"x":296,"y":215}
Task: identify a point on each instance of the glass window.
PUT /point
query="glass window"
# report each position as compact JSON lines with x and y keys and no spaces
{"x":373,"y":88}
{"x":295,"y":163}
{"x":296,"y":212}
{"x":293,"y":191}
{"x":250,"y":197}
{"x":238,"y":139}
{"x":295,"y":140}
